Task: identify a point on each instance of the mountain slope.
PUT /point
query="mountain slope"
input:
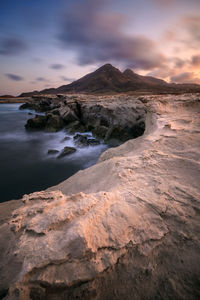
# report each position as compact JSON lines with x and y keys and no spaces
{"x":108,"y":79}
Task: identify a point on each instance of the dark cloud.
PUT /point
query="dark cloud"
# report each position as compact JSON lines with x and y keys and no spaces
{"x":98,"y":37}
{"x":41,"y":79}
{"x":12,"y":46}
{"x":179,"y":63}
{"x":14,"y":77}
{"x":185,"y":77}
{"x":57,"y":66}
{"x":195,"y":61}
{"x":64,"y":78}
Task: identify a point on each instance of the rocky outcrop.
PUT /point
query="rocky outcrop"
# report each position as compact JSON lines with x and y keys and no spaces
{"x":125,"y":228}
{"x":114,"y":121}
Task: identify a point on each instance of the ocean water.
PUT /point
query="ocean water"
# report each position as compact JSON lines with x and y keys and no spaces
{"x":25,"y":166}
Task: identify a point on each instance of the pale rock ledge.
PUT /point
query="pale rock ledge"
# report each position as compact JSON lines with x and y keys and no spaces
{"x":126,"y":228}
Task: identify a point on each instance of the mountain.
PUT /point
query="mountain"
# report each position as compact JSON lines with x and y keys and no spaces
{"x":108,"y":79}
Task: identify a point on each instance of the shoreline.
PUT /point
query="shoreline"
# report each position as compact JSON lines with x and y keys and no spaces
{"x":12,"y":100}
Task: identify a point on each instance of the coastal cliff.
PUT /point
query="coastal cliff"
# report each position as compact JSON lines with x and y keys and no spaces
{"x":125,"y":228}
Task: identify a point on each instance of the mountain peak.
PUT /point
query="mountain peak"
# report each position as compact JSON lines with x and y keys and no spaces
{"x":128,"y":72}
{"x":107,"y":67}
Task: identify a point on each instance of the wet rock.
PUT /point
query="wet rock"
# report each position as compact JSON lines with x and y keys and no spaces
{"x":67,"y":138}
{"x":54,"y":123}
{"x":74,"y":127}
{"x":67,"y":151}
{"x":93,"y":142}
{"x":38,"y":122}
{"x":81,"y":140}
{"x":52,"y":151}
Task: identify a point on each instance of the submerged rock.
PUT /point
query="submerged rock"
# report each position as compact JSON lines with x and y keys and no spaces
{"x":81,"y":140}
{"x":52,"y":151}
{"x":67,"y":151}
{"x":93,"y":142}
{"x":67,"y":138}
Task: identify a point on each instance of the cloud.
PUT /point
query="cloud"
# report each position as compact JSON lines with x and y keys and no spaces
{"x":195,"y":61}
{"x":64,"y":78}
{"x":57,"y":66}
{"x":191,"y":24}
{"x":41,"y":79}
{"x":12,"y":46}
{"x":98,"y":37}
{"x":185,"y":77}
{"x":14,"y":77}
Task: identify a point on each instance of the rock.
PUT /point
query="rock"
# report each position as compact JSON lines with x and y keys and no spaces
{"x":100,"y":131}
{"x":38,"y":122}
{"x":67,"y":138}
{"x":81,"y":140}
{"x":93,"y":142}
{"x":74,"y":127}
{"x":66,"y":151}
{"x":118,"y":133}
{"x":54,"y":123}
{"x":125,"y":228}
{"x":52,"y":151}
{"x":68,"y":115}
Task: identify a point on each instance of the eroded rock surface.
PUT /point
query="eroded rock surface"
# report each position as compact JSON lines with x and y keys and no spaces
{"x":125,"y":228}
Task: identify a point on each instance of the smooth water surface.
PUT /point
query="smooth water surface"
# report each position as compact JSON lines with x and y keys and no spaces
{"x":25,"y":166}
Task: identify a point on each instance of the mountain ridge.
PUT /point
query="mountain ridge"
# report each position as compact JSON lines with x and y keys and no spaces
{"x":108,"y":79}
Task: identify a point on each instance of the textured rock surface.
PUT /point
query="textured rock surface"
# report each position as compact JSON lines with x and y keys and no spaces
{"x":120,"y":118}
{"x":125,"y":228}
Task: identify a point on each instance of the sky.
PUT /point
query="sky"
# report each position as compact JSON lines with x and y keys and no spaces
{"x":49,"y":43}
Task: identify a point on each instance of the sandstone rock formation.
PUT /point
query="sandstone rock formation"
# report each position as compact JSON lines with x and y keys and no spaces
{"x":125,"y":228}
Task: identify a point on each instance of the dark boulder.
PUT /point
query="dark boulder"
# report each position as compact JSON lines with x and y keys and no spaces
{"x":52,"y":151}
{"x":54,"y":123}
{"x":66,"y":151}
{"x":93,"y":142}
{"x":39,"y":122}
{"x":81,"y":140}
{"x":75,"y":126}
{"x":100,"y":131}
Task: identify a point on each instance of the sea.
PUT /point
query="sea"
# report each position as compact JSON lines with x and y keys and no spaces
{"x":25,"y":165}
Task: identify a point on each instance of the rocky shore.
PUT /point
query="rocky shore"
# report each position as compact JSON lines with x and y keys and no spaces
{"x":125,"y":228}
{"x":113,"y":119}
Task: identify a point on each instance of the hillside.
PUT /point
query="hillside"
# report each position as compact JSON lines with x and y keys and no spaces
{"x":108,"y":79}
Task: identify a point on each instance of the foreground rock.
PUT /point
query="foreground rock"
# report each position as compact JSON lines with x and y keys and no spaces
{"x":67,"y":151}
{"x":125,"y":228}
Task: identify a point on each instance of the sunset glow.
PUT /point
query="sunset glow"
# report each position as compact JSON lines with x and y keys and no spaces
{"x":51,"y":43}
